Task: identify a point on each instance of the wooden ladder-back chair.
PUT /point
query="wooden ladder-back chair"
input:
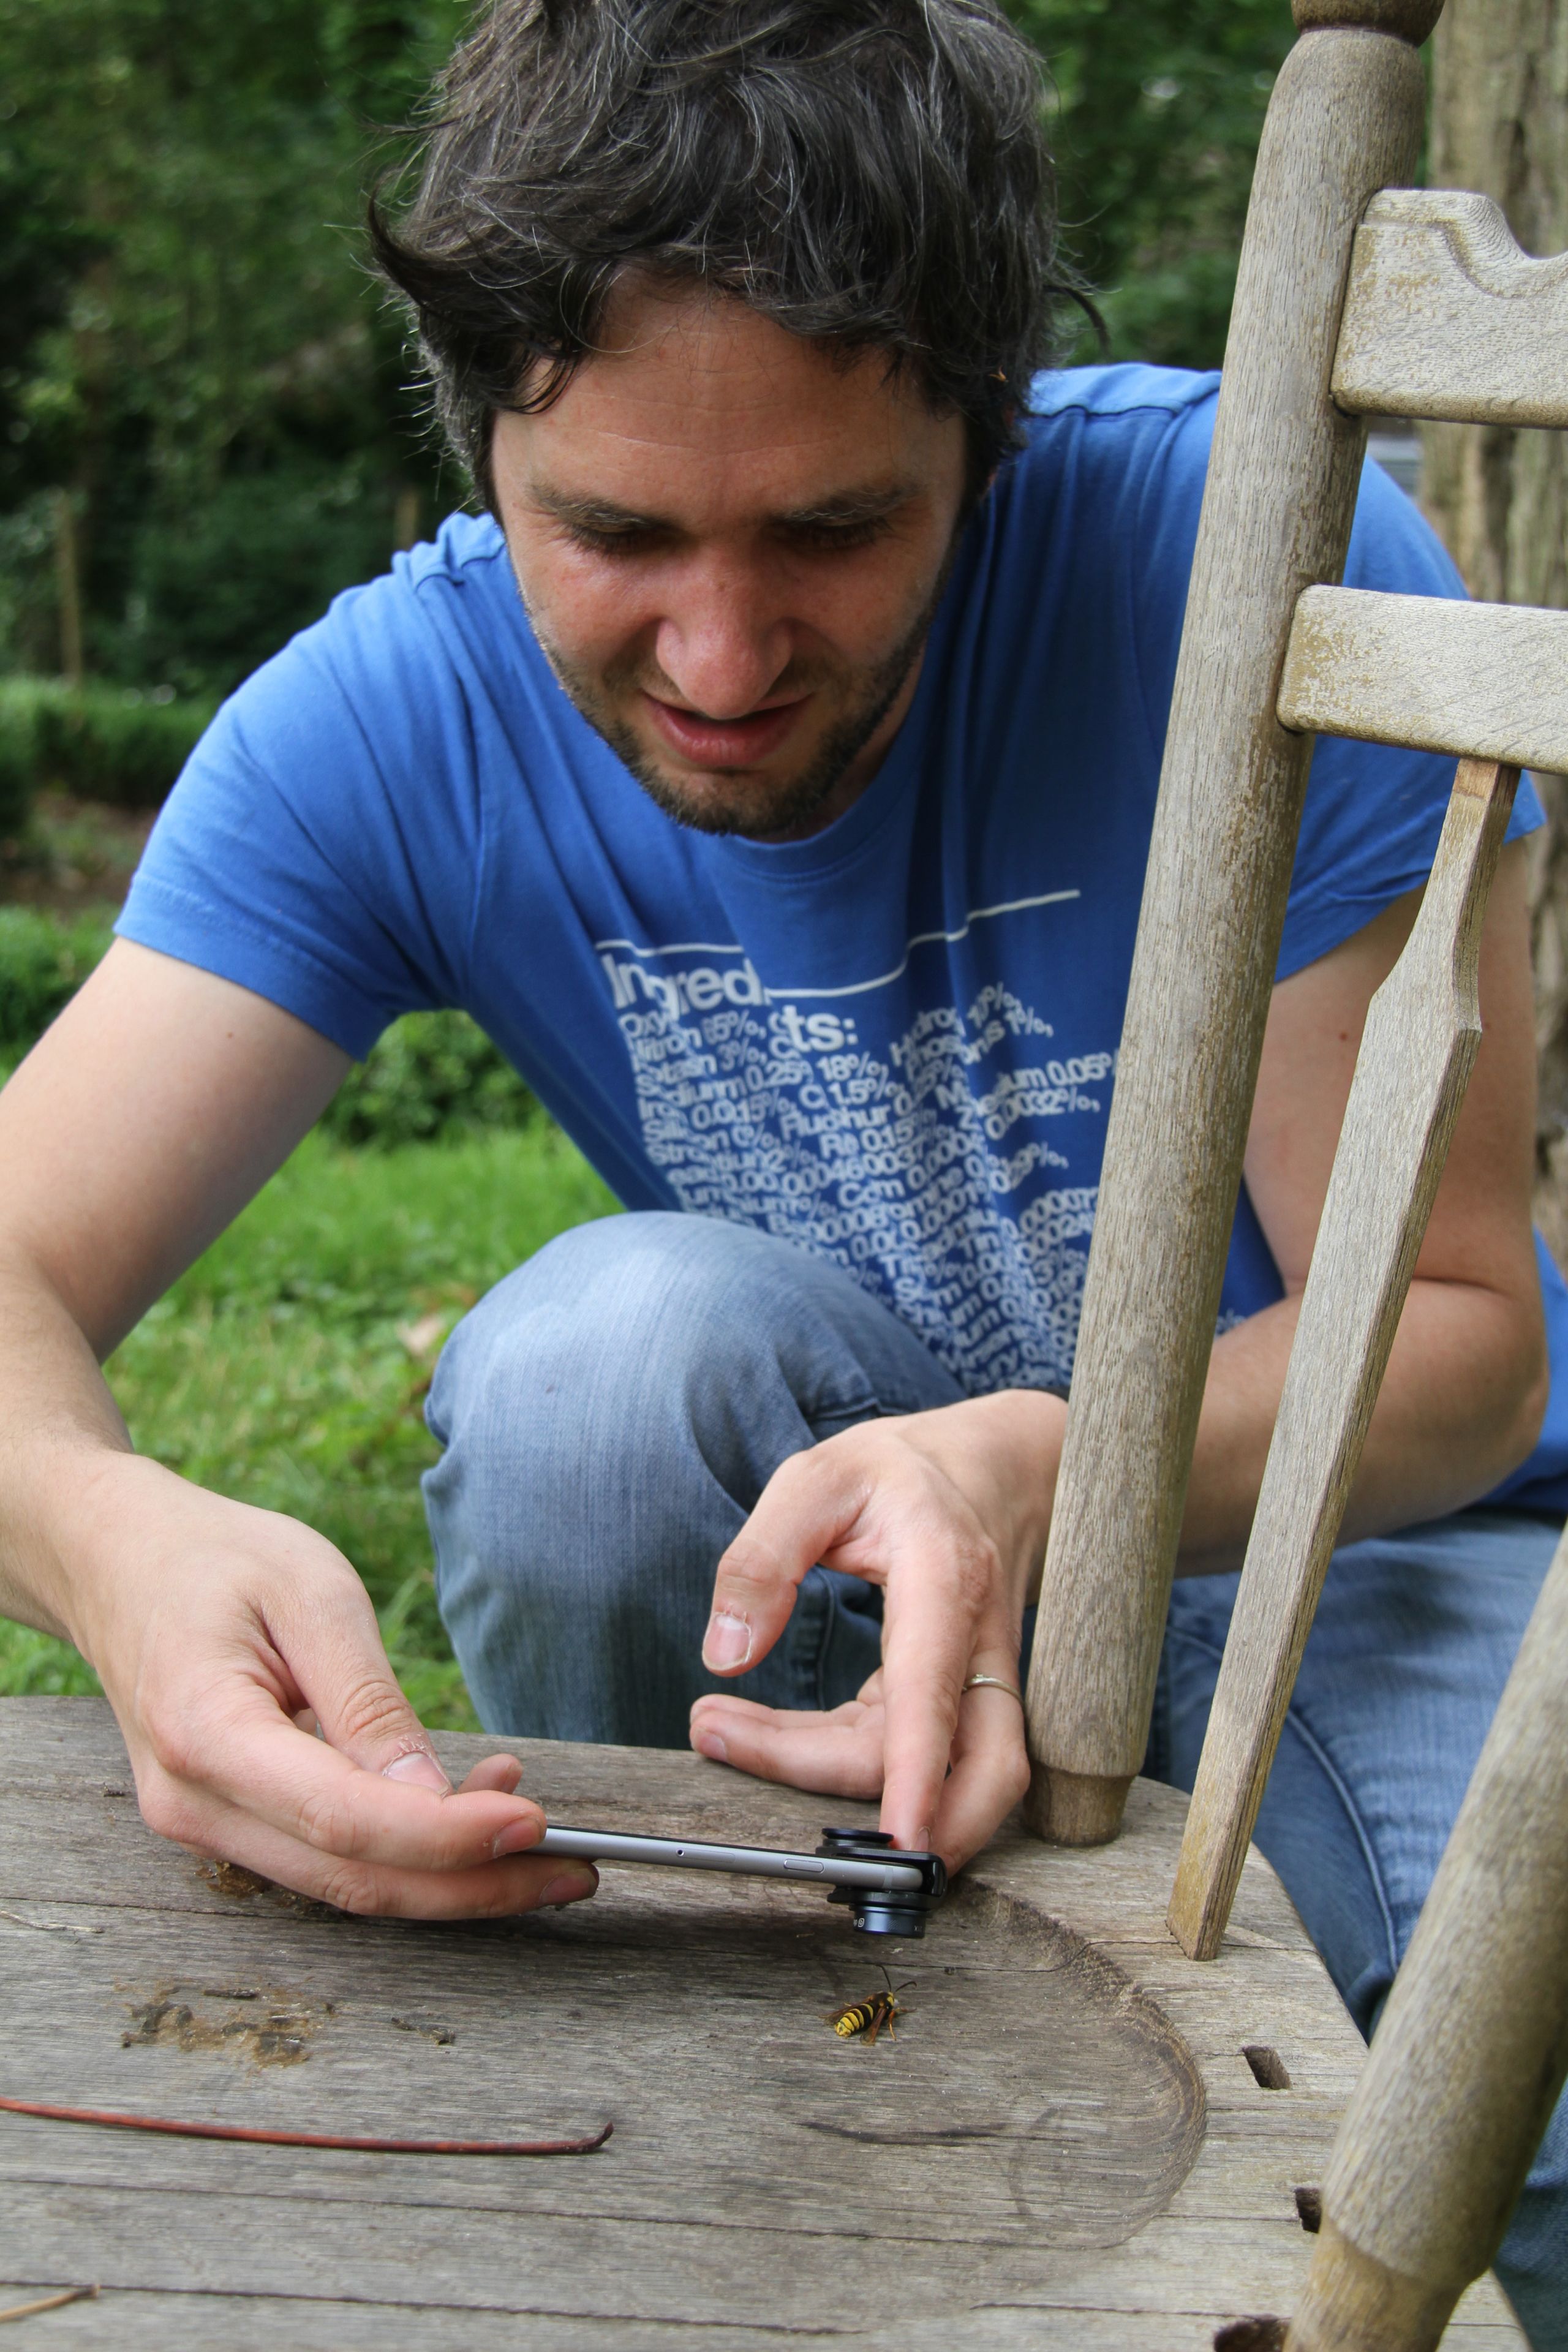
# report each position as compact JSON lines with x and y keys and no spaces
{"x":1083,"y":2138}
{"x":1354,"y":298}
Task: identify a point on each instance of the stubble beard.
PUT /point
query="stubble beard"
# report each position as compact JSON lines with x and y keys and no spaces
{"x":735,"y":801}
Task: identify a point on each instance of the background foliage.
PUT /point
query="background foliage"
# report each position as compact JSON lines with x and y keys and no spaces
{"x":197,"y":372}
{"x":1156,"y":111}
{"x":206,"y":423}
{"x":107,"y":743}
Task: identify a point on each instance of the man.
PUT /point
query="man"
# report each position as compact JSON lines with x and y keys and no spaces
{"x":772,"y":777}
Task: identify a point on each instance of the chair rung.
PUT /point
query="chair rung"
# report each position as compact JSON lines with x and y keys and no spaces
{"x":1483,"y":681}
{"x":1444,"y":316}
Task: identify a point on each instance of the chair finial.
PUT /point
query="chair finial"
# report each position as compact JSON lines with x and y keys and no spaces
{"x":1408,"y":20}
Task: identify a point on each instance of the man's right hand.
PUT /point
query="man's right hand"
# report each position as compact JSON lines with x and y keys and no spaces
{"x":159,"y":1102}
{"x":214,"y":1629}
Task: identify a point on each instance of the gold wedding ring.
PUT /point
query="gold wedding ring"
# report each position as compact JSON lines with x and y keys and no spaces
{"x":995,"y":1682}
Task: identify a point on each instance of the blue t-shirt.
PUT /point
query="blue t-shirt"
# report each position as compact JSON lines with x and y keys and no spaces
{"x":891,"y":1045}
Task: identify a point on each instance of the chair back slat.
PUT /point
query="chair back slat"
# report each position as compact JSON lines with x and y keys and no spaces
{"x":1444,"y":317}
{"x":1483,"y":681}
{"x":1423,"y":1029}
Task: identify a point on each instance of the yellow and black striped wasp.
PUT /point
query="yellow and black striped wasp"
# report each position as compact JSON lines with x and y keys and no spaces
{"x":868,"y":2017}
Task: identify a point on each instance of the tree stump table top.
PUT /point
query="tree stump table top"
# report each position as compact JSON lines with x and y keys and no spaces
{"x":1078,"y":2138}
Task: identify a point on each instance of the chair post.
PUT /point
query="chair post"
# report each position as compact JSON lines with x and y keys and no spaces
{"x":1469,"y":2057}
{"x":1344,"y":120}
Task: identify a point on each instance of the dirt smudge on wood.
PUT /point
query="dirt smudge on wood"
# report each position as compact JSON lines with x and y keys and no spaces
{"x":274,"y":2028}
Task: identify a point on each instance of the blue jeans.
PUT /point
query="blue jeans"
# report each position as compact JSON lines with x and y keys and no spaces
{"x":610,"y":1413}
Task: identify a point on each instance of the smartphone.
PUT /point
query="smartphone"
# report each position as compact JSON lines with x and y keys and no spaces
{"x":887,"y":1888}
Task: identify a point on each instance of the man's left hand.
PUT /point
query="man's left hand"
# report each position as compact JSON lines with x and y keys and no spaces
{"x":948,"y":1512}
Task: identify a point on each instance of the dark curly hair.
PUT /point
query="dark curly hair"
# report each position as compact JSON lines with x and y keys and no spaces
{"x":872,"y":174}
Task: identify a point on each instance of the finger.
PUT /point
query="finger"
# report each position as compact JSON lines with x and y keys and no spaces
{"x":805,"y":1510}
{"x":944,"y":1607}
{"x":332,"y":1649}
{"x":251,"y":1757}
{"x":990,"y":1774}
{"x":838,"y":1753}
{"x":372,"y":1788}
{"x":502,"y":1773}
{"x":488,"y":1890}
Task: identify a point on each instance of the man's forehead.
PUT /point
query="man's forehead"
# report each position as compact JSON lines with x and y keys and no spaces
{"x":706,"y":395}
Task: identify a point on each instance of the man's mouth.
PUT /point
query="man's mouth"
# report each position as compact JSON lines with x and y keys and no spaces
{"x":704,"y":742}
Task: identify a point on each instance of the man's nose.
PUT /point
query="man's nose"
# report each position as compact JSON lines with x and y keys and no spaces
{"x":724,"y":641}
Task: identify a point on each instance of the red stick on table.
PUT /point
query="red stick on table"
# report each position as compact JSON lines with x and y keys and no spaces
{"x":115,"y":2120}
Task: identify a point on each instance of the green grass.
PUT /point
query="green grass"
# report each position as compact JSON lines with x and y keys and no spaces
{"x":288,"y":1367}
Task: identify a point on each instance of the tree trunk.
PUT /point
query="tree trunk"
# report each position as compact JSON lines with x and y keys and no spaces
{"x":1499,"y":497}
{"x":68,"y":587}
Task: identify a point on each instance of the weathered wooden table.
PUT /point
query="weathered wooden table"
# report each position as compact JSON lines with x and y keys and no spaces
{"x":1068,"y":2144}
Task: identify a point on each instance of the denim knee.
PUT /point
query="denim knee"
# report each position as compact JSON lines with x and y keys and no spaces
{"x":1533,"y":2262}
{"x":610,"y":1413}
{"x":636,"y":1326}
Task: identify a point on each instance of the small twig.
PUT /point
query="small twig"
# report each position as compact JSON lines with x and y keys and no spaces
{"x":48,"y":2303}
{"x":110,"y":2117}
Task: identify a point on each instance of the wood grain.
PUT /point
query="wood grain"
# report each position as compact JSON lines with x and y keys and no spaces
{"x":1344,"y":119}
{"x":1423,"y":1029}
{"x":1472,"y":2049}
{"x":1444,"y":317}
{"x":1064,"y":2145}
{"x":1485,"y":681}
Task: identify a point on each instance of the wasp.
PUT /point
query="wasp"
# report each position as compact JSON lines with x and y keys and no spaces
{"x":869,"y":2017}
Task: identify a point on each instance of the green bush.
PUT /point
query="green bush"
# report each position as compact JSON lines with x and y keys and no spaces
{"x":432,"y":1074}
{"x":43,"y":962}
{"x":101,"y":743}
{"x":18,"y":758}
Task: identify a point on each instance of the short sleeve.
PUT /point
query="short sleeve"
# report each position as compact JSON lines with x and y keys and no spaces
{"x":319,"y":848}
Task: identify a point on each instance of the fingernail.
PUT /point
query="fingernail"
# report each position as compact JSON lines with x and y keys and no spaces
{"x":516,"y":1837}
{"x":728,"y":1642}
{"x":571,"y":1887}
{"x":419,"y":1768}
{"x":708,"y":1744}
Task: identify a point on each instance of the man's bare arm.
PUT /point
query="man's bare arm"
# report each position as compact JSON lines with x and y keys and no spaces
{"x":1466,"y":1387}
{"x":150,"y":1112}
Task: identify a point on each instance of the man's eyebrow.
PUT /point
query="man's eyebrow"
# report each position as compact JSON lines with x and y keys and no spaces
{"x":872,"y":504}
{"x":593,"y":514}
{"x":843,"y":510}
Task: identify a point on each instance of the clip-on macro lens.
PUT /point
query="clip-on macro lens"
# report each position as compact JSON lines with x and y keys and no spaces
{"x":876,"y":1913}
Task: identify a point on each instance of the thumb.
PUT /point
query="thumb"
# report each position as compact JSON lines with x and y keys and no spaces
{"x":802,"y":1512}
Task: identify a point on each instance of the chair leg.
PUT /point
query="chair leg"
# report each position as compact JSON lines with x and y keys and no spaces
{"x":1344,"y":120}
{"x":1423,"y":1029}
{"x":1468,"y":2063}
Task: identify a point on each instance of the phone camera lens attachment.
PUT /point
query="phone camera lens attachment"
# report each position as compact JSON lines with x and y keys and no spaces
{"x":900,"y":1911}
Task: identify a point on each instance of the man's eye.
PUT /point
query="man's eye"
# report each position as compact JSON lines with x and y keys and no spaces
{"x":838,"y":538}
{"x":594,"y":540}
